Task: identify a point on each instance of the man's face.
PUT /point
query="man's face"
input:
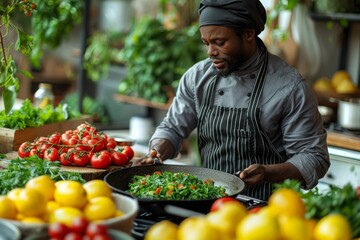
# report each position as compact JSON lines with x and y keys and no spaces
{"x":226,"y":49}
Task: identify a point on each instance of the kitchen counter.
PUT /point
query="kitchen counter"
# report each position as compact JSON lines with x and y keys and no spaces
{"x":343,"y":140}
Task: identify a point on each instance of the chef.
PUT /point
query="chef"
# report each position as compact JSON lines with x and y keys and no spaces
{"x":253,"y":113}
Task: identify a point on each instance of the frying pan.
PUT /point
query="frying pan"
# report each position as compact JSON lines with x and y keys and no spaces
{"x":119,"y":180}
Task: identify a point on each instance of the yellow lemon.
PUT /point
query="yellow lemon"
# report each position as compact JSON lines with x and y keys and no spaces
{"x":97,"y":188}
{"x":33,"y":220}
{"x":14,"y":193}
{"x":7,"y":208}
{"x":338,"y":77}
{"x":294,"y":228}
{"x":346,"y":87}
{"x":323,"y":84}
{"x":70,"y":193}
{"x":30,"y":203}
{"x":100,"y":208}
{"x":287,"y":201}
{"x":163,"y":230}
{"x":198,"y":228}
{"x":333,"y":227}
{"x":229,"y":215}
{"x":65,"y":215}
{"x":43,"y":184}
{"x":50,"y":207}
{"x":257,"y":227}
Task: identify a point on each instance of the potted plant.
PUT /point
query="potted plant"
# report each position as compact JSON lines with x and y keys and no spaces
{"x":9,"y":81}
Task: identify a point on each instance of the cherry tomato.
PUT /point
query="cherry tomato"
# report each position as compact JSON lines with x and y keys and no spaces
{"x":51,"y":154}
{"x":220,"y":201}
{"x":254,"y":210}
{"x":129,"y":152}
{"x":58,"y":230}
{"x":24,"y":149}
{"x":95,"y":229}
{"x":101,"y":159}
{"x":79,"y":225}
{"x":73,"y":236}
{"x":97,"y":144}
{"x":66,"y":158}
{"x":119,"y":158}
{"x":55,"y":138}
{"x":111,"y":143}
{"x":81,"y":159}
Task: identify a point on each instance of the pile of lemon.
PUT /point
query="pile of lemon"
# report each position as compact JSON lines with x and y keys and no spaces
{"x":282,"y":219}
{"x":340,"y":82}
{"x":43,"y":200}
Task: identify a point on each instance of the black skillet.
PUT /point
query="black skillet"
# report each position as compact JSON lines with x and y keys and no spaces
{"x":119,"y":180}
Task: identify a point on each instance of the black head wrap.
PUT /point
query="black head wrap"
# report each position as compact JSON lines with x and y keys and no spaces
{"x":233,"y":13}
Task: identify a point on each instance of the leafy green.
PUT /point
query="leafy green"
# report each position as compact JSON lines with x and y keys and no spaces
{"x":30,"y":116}
{"x":179,"y":186}
{"x":338,"y":199}
{"x":20,"y":171}
{"x":52,"y":21}
{"x":90,"y":106}
{"x":156,"y":58}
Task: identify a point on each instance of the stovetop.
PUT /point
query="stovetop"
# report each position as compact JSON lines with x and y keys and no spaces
{"x":146,"y":219}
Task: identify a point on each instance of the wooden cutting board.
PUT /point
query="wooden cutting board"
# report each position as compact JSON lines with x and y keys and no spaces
{"x":88,"y":172}
{"x":343,"y":141}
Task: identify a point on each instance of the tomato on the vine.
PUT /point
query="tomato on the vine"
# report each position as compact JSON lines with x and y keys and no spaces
{"x":51,"y":154}
{"x":111,"y":143}
{"x":81,"y":159}
{"x":129,"y":152}
{"x":55,"y":138}
{"x":66,"y":158}
{"x":101,"y":159}
{"x":119,"y":158}
{"x":97,"y":144}
{"x":24,"y":149}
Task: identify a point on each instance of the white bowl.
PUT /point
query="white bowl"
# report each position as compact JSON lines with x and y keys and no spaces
{"x":129,"y":206}
{"x":9,"y":231}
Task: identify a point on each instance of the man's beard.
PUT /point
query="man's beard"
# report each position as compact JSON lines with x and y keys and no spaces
{"x":233,"y":65}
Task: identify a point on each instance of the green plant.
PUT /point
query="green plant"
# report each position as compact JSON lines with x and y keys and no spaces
{"x":51,"y":23}
{"x":101,"y":52}
{"x":156,"y":58}
{"x":9,"y":81}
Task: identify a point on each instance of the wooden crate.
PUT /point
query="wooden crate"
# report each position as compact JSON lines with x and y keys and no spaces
{"x":11,"y":139}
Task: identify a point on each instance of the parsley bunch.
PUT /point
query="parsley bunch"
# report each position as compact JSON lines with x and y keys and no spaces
{"x":20,"y":171}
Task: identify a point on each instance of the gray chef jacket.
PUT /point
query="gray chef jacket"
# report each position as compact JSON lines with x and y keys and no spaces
{"x":289,"y":113}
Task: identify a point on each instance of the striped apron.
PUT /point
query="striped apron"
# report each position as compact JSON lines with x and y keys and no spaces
{"x":231,"y":139}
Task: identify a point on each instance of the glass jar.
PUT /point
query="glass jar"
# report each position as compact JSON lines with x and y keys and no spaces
{"x":44,"y":96}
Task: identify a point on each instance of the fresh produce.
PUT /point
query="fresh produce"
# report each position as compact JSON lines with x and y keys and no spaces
{"x":286,"y":217}
{"x":70,"y":200}
{"x":344,"y":200}
{"x":81,"y":147}
{"x":30,"y":116}
{"x":79,"y":228}
{"x":20,"y":171}
{"x":168,"y":185}
{"x":220,"y":201}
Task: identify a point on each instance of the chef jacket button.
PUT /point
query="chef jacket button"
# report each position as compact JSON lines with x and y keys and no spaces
{"x":252,"y":76}
{"x":221,"y":92}
{"x":248,"y":94}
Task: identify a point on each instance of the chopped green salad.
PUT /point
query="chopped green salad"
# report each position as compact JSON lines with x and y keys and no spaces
{"x":174,"y":186}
